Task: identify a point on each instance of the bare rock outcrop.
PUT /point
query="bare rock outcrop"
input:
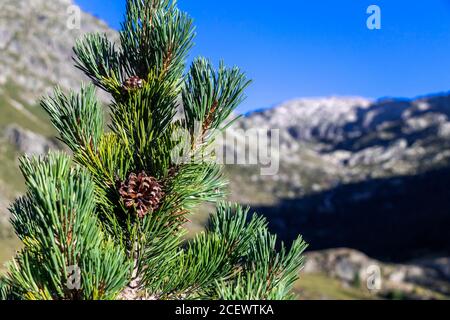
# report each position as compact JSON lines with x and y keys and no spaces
{"x":28,"y":142}
{"x":422,"y":279}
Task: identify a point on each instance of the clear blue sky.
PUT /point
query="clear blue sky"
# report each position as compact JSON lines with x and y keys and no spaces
{"x":300,"y":48}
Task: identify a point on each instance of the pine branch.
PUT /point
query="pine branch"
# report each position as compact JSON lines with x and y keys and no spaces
{"x":266,"y":273}
{"x":210,"y":97}
{"x":65,"y":232}
{"x":155,"y":36}
{"x":118,"y":213}
{"x":77,"y":117}
{"x":99,"y":59}
{"x":143,"y":122}
{"x":215,"y":255}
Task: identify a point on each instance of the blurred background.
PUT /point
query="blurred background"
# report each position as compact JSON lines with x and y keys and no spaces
{"x":361,"y":101}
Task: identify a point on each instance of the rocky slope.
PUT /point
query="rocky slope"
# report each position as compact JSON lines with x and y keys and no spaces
{"x":354,"y":273}
{"x":35,"y":55}
{"x":36,"y":40}
{"x":356,"y":173}
{"x":327,"y":142}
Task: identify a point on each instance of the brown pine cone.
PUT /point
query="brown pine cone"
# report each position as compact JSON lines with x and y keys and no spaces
{"x":141,"y":193}
{"x":133,"y":83}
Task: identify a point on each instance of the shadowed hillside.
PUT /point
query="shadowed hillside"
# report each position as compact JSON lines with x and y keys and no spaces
{"x":393,"y":219}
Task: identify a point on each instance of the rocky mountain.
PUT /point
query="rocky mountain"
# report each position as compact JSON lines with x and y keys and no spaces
{"x":327,"y":142}
{"x":371,"y":175}
{"x":36,"y":39}
{"x":44,"y":31}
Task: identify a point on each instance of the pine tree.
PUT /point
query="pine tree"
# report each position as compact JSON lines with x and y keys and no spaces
{"x":109,"y":221}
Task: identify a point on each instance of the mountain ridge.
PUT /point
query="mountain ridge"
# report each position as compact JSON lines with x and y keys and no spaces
{"x":35,"y":55}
